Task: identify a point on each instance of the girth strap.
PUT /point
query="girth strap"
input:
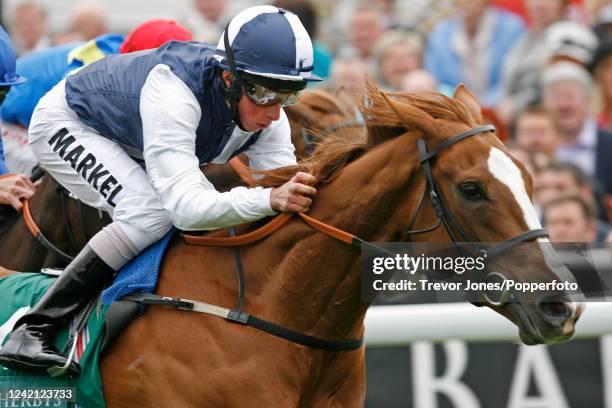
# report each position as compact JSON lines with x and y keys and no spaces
{"x":236,"y":316}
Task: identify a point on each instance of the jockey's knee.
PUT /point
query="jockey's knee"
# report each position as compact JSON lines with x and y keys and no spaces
{"x":119,"y":242}
{"x":146,"y":232}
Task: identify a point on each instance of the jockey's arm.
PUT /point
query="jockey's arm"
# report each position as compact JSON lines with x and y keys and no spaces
{"x":170,"y":116}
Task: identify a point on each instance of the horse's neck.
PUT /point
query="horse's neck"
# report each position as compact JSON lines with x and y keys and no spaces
{"x":319,"y":278}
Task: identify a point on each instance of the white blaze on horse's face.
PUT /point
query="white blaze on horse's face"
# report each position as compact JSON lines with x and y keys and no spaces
{"x":507,"y":172}
{"x":503,"y":169}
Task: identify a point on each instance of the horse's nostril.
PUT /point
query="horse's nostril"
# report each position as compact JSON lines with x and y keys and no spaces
{"x":554,"y":310}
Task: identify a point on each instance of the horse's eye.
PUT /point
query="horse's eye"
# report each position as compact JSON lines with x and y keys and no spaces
{"x":471,"y":191}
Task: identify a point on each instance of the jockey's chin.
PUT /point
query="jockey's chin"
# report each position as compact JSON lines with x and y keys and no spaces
{"x":256,"y":117}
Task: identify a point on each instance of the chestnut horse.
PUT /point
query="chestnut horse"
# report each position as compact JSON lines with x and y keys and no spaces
{"x":309,"y":282}
{"x":314,"y":112}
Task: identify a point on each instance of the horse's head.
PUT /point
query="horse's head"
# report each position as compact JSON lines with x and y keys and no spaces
{"x":485,"y":194}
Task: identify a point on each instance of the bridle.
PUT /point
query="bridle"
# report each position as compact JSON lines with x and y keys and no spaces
{"x":460,"y":238}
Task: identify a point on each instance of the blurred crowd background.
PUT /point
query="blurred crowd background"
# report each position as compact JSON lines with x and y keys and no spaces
{"x":542,"y":70}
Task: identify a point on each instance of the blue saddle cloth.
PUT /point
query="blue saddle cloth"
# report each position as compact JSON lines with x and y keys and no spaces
{"x":140,"y":274}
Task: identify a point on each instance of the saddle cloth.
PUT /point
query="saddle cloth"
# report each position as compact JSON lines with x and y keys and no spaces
{"x":18,"y":293}
{"x":23,"y":290}
{"x":140,"y":274}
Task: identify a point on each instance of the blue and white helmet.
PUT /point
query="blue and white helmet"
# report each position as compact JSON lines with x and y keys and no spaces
{"x":8,"y":76}
{"x":268,"y":42}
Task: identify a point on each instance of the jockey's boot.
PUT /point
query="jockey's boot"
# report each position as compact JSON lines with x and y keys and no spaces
{"x":30,"y":345}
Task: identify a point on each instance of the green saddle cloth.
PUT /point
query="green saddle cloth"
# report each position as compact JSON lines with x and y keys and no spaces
{"x":20,"y":291}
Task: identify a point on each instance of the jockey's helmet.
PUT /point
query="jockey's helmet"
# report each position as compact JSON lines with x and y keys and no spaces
{"x":269,"y":47}
{"x":8,"y":75}
{"x":153,"y":34}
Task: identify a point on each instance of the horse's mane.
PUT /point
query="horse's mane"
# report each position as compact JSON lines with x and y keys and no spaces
{"x":387,"y":116}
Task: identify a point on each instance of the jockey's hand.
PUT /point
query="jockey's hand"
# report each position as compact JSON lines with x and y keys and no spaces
{"x":294,"y":195}
{"x":14,"y":188}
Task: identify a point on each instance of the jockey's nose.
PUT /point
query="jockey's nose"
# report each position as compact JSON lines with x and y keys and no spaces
{"x":273,"y":112}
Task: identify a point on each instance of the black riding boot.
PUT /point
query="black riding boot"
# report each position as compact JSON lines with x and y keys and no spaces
{"x":30,"y":345}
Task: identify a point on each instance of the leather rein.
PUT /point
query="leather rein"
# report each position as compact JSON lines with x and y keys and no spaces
{"x":32,"y":226}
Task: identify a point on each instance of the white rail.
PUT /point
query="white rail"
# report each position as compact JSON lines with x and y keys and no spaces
{"x":402,"y":324}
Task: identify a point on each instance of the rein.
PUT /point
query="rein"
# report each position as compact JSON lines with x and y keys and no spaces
{"x":236,"y":315}
{"x":32,"y":226}
{"x":37,"y":233}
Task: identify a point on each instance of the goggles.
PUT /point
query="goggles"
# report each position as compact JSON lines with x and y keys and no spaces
{"x":262,"y":96}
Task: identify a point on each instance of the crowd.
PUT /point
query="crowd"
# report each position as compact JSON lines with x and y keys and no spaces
{"x":542,"y":69}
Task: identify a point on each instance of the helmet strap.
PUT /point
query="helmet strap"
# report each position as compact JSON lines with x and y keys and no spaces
{"x":235,"y":87}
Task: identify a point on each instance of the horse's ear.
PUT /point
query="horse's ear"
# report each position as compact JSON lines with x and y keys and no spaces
{"x":463,"y":94}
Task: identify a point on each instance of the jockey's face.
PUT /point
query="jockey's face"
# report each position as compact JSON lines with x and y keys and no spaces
{"x":254,"y":117}
{"x":257,"y":117}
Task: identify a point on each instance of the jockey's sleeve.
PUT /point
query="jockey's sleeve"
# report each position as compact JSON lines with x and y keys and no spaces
{"x":273,"y":148}
{"x":170,"y":116}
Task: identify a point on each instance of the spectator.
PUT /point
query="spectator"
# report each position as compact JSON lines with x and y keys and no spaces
{"x":305,"y":10}
{"x":29,"y":24}
{"x":521,"y":71}
{"x":364,"y":30}
{"x":470,"y":48}
{"x":568,"y":96}
{"x":569,"y":41}
{"x":565,"y":178}
{"x":561,"y":178}
{"x":88,"y":21}
{"x":349,"y":75}
{"x":600,"y":15}
{"x":420,"y":15}
{"x":536,"y":131}
{"x":418,"y":80}
{"x":570,"y":218}
{"x":64,"y":37}
{"x":602,"y":72}
{"x":208,"y":18}
{"x":397,"y":54}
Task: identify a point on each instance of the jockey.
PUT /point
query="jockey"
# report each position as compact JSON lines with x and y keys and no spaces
{"x":172,"y":110}
{"x":13,"y":187}
{"x":46,"y":68}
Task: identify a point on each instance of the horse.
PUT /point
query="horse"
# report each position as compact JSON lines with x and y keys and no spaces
{"x":317,"y":114}
{"x":66,"y":224}
{"x":309,"y":282}
{"x":70,"y":229}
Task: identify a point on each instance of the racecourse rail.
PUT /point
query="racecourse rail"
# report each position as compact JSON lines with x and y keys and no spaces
{"x":396,"y":325}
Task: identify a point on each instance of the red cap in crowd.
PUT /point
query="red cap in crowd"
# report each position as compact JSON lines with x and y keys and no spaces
{"x":154,"y":33}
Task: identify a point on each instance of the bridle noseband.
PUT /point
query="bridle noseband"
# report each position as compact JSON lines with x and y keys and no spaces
{"x":446,"y":217}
